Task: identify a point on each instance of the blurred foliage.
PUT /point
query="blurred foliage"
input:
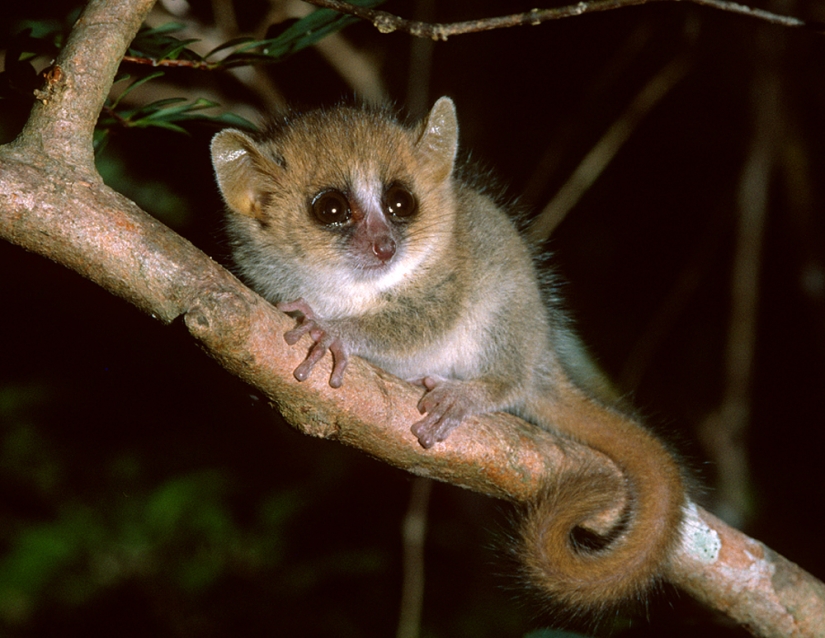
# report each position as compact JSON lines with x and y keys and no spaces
{"x":187,"y":537}
{"x":156,"y":45}
{"x":159,"y":44}
{"x":179,"y":530}
{"x":155,"y":195}
{"x":169,"y":113}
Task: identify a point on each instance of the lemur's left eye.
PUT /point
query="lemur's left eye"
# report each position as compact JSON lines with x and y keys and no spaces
{"x":399,"y":201}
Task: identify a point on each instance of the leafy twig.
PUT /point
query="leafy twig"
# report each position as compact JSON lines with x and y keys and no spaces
{"x":157,"y":47}
{"x":603,"y":152}
{"x":387,"y":22}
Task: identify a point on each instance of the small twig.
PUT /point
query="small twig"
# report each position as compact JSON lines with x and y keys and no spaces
{"x":566,"y":129}
{"x":200,"y":65}
{"x":413,"y":533}
{"x":387,"y":22}
{"x":605,"y":149}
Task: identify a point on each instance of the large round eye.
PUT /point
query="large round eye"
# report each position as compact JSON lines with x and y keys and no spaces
{"x":331,"y":207}
{"x":399,"y":201}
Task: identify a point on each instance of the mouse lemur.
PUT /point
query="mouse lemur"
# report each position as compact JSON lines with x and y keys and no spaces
{"x":362,"y":228}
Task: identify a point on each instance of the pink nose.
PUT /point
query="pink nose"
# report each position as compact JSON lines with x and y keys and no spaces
{"x":384,"y":248}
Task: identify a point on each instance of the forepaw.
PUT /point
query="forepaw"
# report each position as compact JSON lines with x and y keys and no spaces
{"x":445,"y":404}
{"x":324,"y":340}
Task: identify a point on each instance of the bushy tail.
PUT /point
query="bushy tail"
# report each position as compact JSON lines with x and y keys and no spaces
{"x":581,"y":571}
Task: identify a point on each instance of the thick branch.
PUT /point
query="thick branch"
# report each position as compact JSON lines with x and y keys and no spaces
{"x":108,"y":239}
{"x":55,"y":205}
{"x":765,"y":593}
{"x":387,"y":22}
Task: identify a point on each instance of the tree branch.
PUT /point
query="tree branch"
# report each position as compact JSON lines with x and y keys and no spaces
{"x":198,"y":65}
{"x":54,"y":203}
{"x":387,"y":22}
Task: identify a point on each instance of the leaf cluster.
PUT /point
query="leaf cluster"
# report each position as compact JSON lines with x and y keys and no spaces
{"x":70,"y":542}
{"x":288,"y":37}
{"x":160,"y":49}
{"x":159,"y":44}
{"x":168,"y":113}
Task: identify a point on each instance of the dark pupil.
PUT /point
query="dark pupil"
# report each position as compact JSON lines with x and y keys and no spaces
{"x":331,"y":207}
{"x":399,"y":201}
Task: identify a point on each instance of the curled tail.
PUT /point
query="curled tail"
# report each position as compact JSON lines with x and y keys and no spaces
{"x":580,"y":570}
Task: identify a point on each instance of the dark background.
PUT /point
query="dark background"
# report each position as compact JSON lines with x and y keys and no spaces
{"x":144,"y":491}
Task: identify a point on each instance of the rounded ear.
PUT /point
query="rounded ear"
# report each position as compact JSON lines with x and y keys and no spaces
{"x":242,"y":172}
{"x":438,"y":141}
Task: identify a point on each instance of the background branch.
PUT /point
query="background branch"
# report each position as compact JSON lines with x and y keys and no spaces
{"x":600,"y":156}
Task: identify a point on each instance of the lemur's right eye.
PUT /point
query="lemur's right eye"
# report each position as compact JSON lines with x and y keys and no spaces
{"x":331,"y":207}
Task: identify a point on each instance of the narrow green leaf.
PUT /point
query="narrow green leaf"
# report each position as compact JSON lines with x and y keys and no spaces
{"x":202,"y":103}
{"x":176,"y":48}
{"x":232,"y":120}
{"x":165,"y":101}
{"x":135,"y":85}
{"x":169,"y":27}
{"x":169,"y":112}
{"x":301,"y":34}
{"x":147,"y":123}
{"x":237,"y":59}
{"x":229,"y":44}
